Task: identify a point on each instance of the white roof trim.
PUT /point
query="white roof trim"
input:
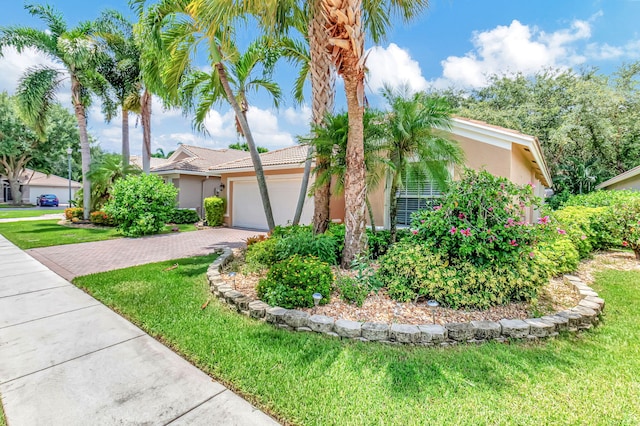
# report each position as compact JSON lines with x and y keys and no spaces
{"x":182,"y":172}
{"x":622,"y":176}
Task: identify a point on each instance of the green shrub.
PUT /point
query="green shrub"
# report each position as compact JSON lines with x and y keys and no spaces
{"x":557,"y":257}
{"x":286,"y":231}
{"x":73,"y":212}
{"x":292,"y":282}
{"x":603,"y":198}
{"x":214,"y":208}
{"x":141,"y":205}
{"x":629,"y":217}
{"x":411,"y":271}
{"x":305,"y":244}
{"x":182,"y":216}
{"x":351,"y":290}
{"x":101,"y":218}
{"x":260,"y":255}
{"x":576,"y":222}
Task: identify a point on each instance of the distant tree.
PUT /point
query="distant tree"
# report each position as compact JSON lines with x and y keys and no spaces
{"x":243,"y":146}
{"x":21,"y":146}
{"x":161,"y":154}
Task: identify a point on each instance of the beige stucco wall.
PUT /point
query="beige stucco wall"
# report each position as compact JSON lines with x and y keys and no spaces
{"x":193,"y":189}
{"x":632,"y":183}
{"x":493,"y":159}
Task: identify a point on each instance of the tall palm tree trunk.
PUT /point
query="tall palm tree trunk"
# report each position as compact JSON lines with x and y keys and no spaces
{"x":255,"y":156}
{"x":145,"y":117}
{"x":393,"y":206}
{"x":85,"y":151}
{"x":322,"y":99}
{"x":355,"y":187}
{"x":126,"y":153}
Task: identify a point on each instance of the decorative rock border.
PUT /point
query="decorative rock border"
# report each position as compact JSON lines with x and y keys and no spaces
{"x":582,"y":317}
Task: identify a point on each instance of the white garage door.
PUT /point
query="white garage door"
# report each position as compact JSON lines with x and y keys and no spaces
{"x":283,"y":194}
{"x":61,"y":193}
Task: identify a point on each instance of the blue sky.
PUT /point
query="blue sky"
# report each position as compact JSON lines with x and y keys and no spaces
{"x":454,"y":43}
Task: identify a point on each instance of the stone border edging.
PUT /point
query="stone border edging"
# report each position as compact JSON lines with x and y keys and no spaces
{"x":581,"y":317}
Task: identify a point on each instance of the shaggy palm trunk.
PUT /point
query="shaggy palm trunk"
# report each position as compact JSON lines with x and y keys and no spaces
{"x":125,"y":140}
{"x":255,"y":156}
{"x":322,"y":99}
{"x":145,"y":117}
{"x":85,"y":151}
{"x":355,"y":187}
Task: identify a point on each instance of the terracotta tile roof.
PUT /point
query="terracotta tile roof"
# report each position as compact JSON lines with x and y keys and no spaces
{"x":294,"y":155}
{"x":136,"y":160}
{"x":200,"y":159}
{"x":42,"y":179}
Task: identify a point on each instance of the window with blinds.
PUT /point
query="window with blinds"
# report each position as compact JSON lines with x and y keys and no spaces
{"x":417,"y":194}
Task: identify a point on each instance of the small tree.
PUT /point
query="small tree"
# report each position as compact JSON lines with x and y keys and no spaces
{"x":141,"y":205}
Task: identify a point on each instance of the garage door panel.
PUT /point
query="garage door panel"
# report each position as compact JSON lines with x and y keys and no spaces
{"x":283,"y":194}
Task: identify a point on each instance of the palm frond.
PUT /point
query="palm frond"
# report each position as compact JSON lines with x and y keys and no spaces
{"x":54,"y":19}
{"x":36,"y":94}
{"x":22,"y":38}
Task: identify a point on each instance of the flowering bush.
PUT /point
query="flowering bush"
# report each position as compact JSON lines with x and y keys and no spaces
{"x":480,"y":220}
{"x":292,"y":282}
{"x":73,"y":212}
{"x":141,"y":204}
{"x":101,"y":218}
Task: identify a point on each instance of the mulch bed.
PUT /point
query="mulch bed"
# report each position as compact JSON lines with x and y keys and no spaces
{"x":555,"y":296}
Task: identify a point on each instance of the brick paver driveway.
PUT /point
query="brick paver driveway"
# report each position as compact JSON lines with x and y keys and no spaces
{"x":73,"y":260}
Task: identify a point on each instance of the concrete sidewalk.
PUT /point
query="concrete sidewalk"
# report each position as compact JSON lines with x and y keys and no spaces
{"x":66,"y":359}
{"x":43,"y":217}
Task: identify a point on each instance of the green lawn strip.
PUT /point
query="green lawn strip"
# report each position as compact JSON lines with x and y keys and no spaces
{"x":46,"y":233}
{"x":310,"y":379}
{"x":11,"y":206}
{"x":3,"y":421}
{"x":27,"y":213}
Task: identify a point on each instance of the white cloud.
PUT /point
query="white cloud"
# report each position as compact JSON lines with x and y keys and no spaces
{"x":393,"y":66}
{"x":297,"y":116}
{"x":13,"y":65}
{"x":515,"y":48}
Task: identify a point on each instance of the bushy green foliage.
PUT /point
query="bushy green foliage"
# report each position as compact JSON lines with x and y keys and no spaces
{"x":141,"y":205}
{"x":292,"y":282}
{"x":214,"y":208}
{"x":351,"y":290}
{"x":182,"y":216}
{"x":411,"y":271}
{"x":305,"y":244}
{"x":602,"y":198}
{"x":73,"y":212}
{"x":480,"y":221}
{"x":557,"y":257}
{"x":285,"y":231}
{"x":260,"y":255}
{"x":100,"y":218}
{"x":629,"y":217}
{"x":576,"y":222}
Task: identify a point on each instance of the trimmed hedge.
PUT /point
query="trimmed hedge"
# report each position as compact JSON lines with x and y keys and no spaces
{"x":184,"y":216}
{"x":214,"y":208}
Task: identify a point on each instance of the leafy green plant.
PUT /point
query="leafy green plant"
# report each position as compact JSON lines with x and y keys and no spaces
{"x":351,"y":290}
{"x":629,"y":217}
{"x":292,"y":282}
{"x":182,"y":216}
{"x":141,"y":205}
{"x":557,"y":257}
{"x":214,"y":208}
{"x":259,"y":256}
{"x":305,"y":244}
{"x":73,"y":212}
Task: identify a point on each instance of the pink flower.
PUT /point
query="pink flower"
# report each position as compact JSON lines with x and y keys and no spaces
{"x":513,"y":243}
{"x":490,"y":209}
{"x":438,"y":207}
{"x":584,"y":237}
{"x":561,"y":231}
{"x":625,"y":244}
{"x":461,"y":215}
{"x":532,"y":255}
{"x":492,"y":238}
{"x":453,"y":230}
{"x":543,"y":220}
{"x":532,"y":185}
{"x":466,"y":232}
{"x":414,"y":231}
{"x":422,"y":221}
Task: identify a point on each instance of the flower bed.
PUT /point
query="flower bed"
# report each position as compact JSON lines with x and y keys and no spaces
{"x":580,"y":317}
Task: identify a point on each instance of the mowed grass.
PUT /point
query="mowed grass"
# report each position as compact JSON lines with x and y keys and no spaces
{"x":10,"y":214}
{"x":46,"y":233}
{"x":3,"y":421}
{"x":314,"y":380}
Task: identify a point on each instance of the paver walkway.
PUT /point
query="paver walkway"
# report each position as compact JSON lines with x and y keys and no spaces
{"x":73,"y":260}
{"x":66,"y":359}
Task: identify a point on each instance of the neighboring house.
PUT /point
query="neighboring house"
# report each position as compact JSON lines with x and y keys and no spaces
{"x":34,"y":184}
{"x":500,"y":151}
{"x":627,"y":180}
{"x":188,"y":170}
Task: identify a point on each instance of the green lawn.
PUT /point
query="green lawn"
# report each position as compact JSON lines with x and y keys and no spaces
{"x":27,"y":213}
{"x":45,"y":233}
{"x":309,"y":379}
{"x":11,"y":206}
{"x":3,"y":421}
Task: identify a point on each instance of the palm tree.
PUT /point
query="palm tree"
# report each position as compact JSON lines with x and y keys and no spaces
{"x":74,"y":50}
{"x":185,"y":26}
{"x":103,"y":175}
{"x":121,"y":69}
{"x":243,"y":146}
{"x":411,"y":143}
